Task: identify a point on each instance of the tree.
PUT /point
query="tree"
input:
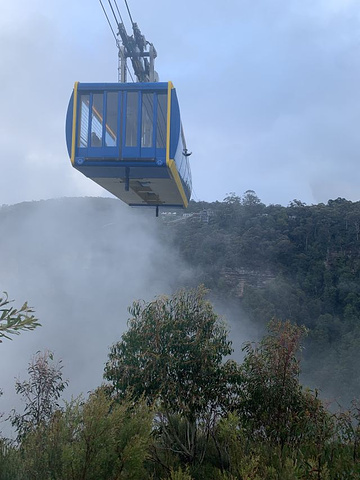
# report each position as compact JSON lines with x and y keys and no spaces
{"x":101,"y":439}
{"x":40,"y":393}
{"x":173,"y":355}
{"x":232,"y":199}
{"x":250,"y":199}
{"x":87,"y":440}
{"x":274,"y":406}
{"x":13,"y":321}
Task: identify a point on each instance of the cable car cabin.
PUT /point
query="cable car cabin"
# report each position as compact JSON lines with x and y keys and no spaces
{"x":128,"y":138}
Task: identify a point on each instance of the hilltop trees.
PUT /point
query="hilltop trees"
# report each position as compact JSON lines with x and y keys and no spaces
{"x":300,"y":262}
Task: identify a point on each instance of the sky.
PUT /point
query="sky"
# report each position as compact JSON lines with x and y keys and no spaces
{"x":268,"y":89}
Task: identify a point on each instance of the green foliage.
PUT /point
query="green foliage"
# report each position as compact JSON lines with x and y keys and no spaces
{"x":40,"y":393}
{"x":262,"y":424}
{"x":13,"y":321}
{"x":9,"y":461}
{"x":274,"y":406}
{"x":109,"y":440}
{"x":300,"y":262}
{"x":212,"y":419}
{"x":90,"y":440}
{"x":172,"y":353}
{"x":349,"y":433}
{"x":179,"y":474}
{"x":177,"y":410}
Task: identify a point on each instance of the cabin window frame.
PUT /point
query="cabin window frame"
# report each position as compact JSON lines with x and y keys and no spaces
{"x":147,"y":121}
{"x":83,"y":121}
{"x":112,"y":112}
{"x":131,"y":120}
{"x":96,"y":134}
{"x":117,"y":117}
{"x":161,"y":130}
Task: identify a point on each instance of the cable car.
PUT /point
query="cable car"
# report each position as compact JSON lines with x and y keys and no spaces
{"x":128,"y":138}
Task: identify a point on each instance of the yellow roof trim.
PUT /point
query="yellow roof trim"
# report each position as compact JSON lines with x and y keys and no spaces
{"x":170,"y":87}
{"x":74,"y":124}
{"x":170,"y":163}
{"x":176,"y":177}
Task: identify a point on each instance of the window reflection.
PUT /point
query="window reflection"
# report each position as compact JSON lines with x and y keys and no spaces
{"x":111,"y":119}
{"x":83,"y":124}
{"x":161,"y":120}
{"x":96,"y":119}
{"x":131,"y":119}
{"x":147,"y":120}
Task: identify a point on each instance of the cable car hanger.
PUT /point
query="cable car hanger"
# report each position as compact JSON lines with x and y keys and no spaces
{"x":127,"y":137}
{"x":141,"y":52}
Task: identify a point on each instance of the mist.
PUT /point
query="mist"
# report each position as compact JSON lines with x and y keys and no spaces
{"x":80,"y":263}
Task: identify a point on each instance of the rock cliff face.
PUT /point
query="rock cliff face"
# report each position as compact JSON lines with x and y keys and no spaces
{"x":237,"y":278}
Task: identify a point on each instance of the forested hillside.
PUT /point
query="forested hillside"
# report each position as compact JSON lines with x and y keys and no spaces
{"x":300,"y":262}
{"x":172,"y":404}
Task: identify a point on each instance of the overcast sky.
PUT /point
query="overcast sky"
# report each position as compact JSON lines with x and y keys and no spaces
{"x":269,"y":92}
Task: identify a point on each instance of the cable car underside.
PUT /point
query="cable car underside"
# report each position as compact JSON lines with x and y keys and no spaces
{"x":141,"y":190}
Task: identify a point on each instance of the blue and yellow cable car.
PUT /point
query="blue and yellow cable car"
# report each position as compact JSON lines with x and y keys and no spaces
{"x":128,"y":138}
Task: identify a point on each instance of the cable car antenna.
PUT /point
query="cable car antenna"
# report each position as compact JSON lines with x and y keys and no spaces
{"x":135,"y":47}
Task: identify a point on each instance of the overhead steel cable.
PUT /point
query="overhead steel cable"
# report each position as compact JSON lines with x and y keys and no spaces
{"x":129,"y":72}
{"x":128,"y":9}
{"x":107,"y":18}
{"x":116,"y":20}
{"x":135,"y":46}
{"x":117,"y":8}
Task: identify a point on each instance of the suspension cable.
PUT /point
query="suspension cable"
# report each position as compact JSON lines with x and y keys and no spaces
{"x":129,"y":71}
{"x":112,"y":9}
{"x":107,"y":18}
{"x":117,"y":8}
{"x":113,"y":5}
{"x":128,"y":9}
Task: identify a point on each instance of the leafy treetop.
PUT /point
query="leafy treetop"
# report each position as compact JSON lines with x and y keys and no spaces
{"x":173,"y":353}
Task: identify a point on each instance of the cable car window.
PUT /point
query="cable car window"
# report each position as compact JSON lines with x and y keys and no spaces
{"x":111,"y":119}
{"x":147,"y":109}
{"x":97,"y":119}
{"x":83,"y":124}
{"x":131,"y":119}
{"x":161,"y":120}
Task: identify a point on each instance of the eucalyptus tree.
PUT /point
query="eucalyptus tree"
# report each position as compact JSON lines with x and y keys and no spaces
{"x":14,"y":320}
{"x":173,"y":355}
